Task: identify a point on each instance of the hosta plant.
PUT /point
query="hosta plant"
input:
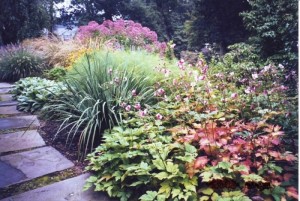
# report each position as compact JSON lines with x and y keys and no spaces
{"x":33,"y":93}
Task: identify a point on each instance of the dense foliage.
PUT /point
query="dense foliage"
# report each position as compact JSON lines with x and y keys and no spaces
{"x":97,"y":88}
{"x":33,"y":93}
{"x":274,"y":27}
{"x":206,"y":139}
{"x":24,"y":19}
{"x":215,"y":21}
{"x":18,"y":62}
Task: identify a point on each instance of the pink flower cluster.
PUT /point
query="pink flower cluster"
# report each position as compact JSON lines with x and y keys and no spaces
{"x":124,"y":31}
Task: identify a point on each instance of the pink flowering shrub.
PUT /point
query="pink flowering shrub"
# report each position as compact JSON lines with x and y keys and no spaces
{"x":123,"y":33}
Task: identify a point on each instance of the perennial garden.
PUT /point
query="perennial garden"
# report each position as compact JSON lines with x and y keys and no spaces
{"x":153,"y":127}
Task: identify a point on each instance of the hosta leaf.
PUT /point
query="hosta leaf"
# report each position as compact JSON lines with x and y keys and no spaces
{"x":149,"y":196}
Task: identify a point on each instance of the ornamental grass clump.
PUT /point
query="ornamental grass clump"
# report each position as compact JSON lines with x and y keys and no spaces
{"x":18,"y":62}
{"x":95,"y":92}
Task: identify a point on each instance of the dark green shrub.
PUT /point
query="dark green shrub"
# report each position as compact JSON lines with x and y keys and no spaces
{"x":17,"y":62}
{"x":56,"y":73}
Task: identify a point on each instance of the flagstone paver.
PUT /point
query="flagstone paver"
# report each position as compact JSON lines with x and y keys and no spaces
{"x":20,"y":140}
{"x":15,"y":175}
{"x":67,"y":190}
{"x":5,"y":90}
{"x":16,"y":122}
{"x":9,"y":110}
{"x":6,"y":97}
{"x":35,"y":163}
{"x":5,"y":85}
{"x":8,"y":103}
{"x":23,"y":166}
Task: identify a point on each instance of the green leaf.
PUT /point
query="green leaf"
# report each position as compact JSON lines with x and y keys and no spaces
{"x":172,"y":168}
{"x":204,"y":198}
{"x":149,"y":196}
{"x":159,"y":164}
{"x":175,"y":192}
{"x":207,"y":191}
{"x":253,"y":178}
{"x":206,"y":176}
{"x":162,"y":175}
{"x":165,"y":189}
{"x":189,"y":186}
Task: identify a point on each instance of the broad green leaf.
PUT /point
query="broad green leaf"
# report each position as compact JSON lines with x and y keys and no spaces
{"x":149,"y":196}
{"x":175,"y":192}
{"x":165,"y":189}
{"x":162,"y":175}
{"x":172,"y":168}
{"x":253,"y":178}
{"x":207,"y":191}
{"x":204,"y":198}
{"x":159,"y":164}
{"x":206,"y":176}
{"x":189,"y":186}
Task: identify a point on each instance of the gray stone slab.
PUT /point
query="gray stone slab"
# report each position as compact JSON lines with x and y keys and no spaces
{"x":5,"y":85}
{"x":30,"y":121}
{"x":34,"y":163}
{"x":67,"y":190}
{"x":9,"y":110}
{"x":15,"y":174}
{"x":6,"y":97}
{"x":5,"y":90}
{"x":8,"y":103}
{"x":20,"y":140}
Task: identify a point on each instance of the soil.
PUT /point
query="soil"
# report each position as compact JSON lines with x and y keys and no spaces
{"x":48,"y":131}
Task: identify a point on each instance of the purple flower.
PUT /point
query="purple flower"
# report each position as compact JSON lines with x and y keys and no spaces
{"x":158,"y":116}
{"x":159,"y":92}
{"x":128,"y":108}
{"x":143,"y":113}
{"x":123,"y":104}
{"x":254,"y":76}
{"x":137,"y":106}
{"x":133,"y":92}
{"x":234,"y":95}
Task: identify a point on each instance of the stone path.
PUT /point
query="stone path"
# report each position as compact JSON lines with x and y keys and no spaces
{"x":24,"y":156}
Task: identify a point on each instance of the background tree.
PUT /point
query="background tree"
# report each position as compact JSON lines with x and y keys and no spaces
{"x":274,"y":30}
{"x":20,"y":19}
{"x":216,"y":21}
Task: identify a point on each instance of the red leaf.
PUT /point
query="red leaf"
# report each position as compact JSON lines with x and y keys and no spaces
{"x":200,"y":162}
{"x":276,"y":141}
{"x":287,"y":176}
{"x":292,"y":192}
